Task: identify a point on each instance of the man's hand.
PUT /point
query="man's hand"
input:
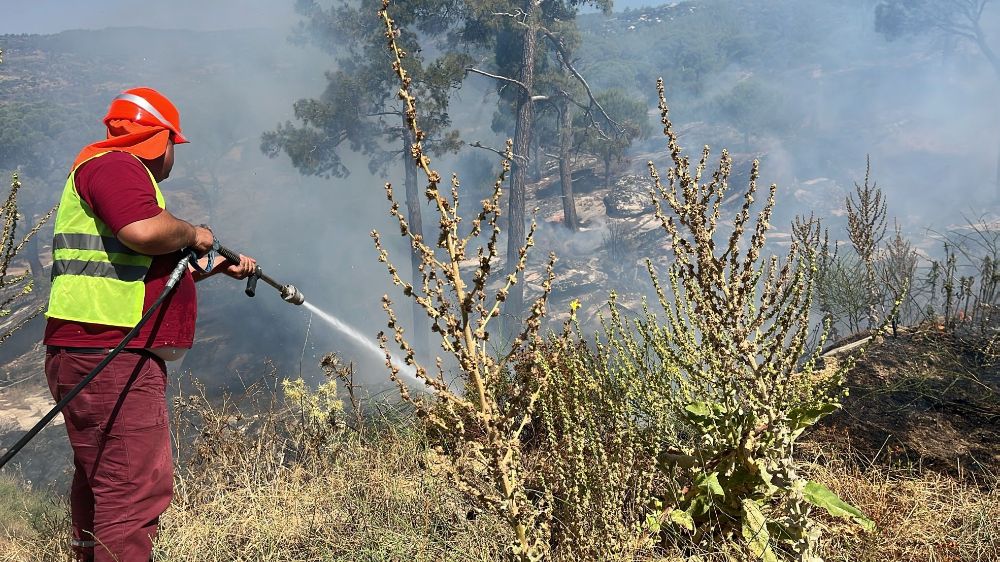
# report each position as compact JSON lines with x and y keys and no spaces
{"x":241,"y":270}
{"x":203,"y":240}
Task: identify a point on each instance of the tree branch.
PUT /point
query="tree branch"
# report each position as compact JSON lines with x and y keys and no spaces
{"x":563,"y":56}
{"x":501,"y":153}
{"x":499,"y":77}
{"x":982,"y":8}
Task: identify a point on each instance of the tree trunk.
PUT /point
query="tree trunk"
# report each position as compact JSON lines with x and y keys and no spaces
{"x":522,"y":146}
{"x":994,"y":61}
{"x":536,"y":162}
{"x":565,"y":173}
{"x":32,"y":252}
{"x":418,"y":339}
{"x":998,"y":174}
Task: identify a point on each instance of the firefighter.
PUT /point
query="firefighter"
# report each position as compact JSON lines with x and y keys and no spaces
{"x":114,"y":246}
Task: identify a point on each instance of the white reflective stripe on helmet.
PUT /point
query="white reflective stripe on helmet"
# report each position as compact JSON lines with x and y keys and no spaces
{"x":146,"y":106}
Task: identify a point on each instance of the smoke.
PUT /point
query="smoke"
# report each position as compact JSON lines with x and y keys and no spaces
{"x":927,"y":118}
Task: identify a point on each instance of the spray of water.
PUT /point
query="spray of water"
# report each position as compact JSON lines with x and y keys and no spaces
{"x":407,"y":372}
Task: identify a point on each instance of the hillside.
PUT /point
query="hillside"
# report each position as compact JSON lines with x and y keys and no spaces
{"x":838,"y":401}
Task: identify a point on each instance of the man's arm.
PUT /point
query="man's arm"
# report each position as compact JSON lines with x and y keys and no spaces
{"x":165,"y":234}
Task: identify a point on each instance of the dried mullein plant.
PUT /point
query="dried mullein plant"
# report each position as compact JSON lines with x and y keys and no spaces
{"x":866,"y":228}
{"x":736,"y":367}
{"x":482,"y":424}
{"x":14,"y":288}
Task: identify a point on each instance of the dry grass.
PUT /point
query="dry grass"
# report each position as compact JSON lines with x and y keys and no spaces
{"x":380,"y":497}
{"x":921,"y":515}
{"x":286,"y":479}
{"x":34,"y":525}
{"x":373,"y":500}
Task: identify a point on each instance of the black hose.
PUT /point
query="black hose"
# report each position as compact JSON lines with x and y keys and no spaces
{"x":175,"y":276}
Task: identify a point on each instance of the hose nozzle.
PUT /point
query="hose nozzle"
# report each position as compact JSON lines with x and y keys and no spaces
{"x":288,"y":292}
{"x":292,"y":295}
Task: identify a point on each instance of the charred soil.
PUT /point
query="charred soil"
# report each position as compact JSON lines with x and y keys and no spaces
{"x":926,"y":397}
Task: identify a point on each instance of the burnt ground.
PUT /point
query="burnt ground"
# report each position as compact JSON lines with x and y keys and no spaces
{"x":923,"y":398}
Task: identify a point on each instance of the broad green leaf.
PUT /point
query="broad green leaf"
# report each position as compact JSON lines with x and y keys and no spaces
{"x":683,"y":519}
{"x":653,"y":523}
{"x":765,"y":476}
{"x":700,"y":505}
{"x":755,"y":532}
{"x":699,"y":409}
{"x":804,"y":417}
{"x":710,"y":483}
{"x":821,"y":496}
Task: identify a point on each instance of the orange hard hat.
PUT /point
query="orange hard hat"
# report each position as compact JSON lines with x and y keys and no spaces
{"x":146,"y":106}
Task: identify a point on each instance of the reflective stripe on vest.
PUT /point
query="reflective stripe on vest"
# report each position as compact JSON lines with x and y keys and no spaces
{"x":109,"y":244}
{"x":95,"y":277}
{"x":99,"y":269}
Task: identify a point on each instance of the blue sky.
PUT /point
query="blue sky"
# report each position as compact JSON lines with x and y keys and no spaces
{"x":53,"y":16}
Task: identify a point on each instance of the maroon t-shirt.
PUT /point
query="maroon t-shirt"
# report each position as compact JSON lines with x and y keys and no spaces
{"x":118,"y":189}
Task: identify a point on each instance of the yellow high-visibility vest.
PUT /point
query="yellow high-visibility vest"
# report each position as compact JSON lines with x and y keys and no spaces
{"x":95,"y":277}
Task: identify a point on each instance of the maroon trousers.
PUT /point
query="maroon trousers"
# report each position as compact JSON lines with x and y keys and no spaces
{"x":121,"y":450}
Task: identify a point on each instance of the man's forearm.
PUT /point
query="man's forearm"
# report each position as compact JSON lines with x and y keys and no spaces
{"x":163,"y":234}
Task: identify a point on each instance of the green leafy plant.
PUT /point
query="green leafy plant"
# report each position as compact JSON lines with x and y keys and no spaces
{"x":740,"y":377}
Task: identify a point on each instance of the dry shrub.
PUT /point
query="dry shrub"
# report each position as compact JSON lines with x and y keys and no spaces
{"x":14,"y":315}
{"x":589,"y":454}
{"x":729,"y":362}
{"x":285,"y":479}
{"x":732,"y":363}
{"x":480,"y":425}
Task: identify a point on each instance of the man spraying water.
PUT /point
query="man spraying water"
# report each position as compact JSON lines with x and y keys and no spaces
{"x":114,"y":249}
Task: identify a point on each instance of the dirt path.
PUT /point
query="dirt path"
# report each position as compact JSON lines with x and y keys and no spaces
{"x":21,"y":408}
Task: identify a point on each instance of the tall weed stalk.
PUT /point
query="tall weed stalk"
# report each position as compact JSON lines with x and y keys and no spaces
{"x":482,"y":426}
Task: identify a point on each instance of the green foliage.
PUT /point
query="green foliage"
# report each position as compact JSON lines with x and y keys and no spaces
{"x":31,"y":132}
{"x":961,"y":19}
{"x":739,"y":377}
{"x":610,"y":141}
{"x":692,"y":41}
{"x":821,"y":496}
{"x":750,"y":106}
{"x":896,"y":18}
{"x":357,"y":110}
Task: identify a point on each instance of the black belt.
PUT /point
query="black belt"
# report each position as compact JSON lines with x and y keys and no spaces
{"x":97,"y":350}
